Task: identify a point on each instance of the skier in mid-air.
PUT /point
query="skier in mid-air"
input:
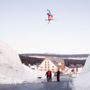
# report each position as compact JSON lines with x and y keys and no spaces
{"x":50,"y":16}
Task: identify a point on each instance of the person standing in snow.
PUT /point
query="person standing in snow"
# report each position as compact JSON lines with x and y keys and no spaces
{"x":58,"y":75}
{"x":49,"y":75}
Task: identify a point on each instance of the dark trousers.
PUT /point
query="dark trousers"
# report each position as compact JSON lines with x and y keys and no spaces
{"x":58,"y":78}
{"x":48,"y":78}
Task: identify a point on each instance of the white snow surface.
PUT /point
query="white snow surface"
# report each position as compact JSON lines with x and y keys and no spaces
{"x":11,"y":68}
{"x":82,"y":82}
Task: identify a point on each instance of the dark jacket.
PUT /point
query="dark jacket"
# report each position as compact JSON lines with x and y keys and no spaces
{"x":48,"y":73}
{"x":58,"y":73}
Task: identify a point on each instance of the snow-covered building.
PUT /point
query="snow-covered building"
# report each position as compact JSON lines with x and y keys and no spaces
{"x":62,"y":65}
{"x":73,"y":65}
{"x":47,"y":64}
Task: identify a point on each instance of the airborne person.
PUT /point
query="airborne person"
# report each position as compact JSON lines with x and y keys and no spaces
{"x":50,"y":16}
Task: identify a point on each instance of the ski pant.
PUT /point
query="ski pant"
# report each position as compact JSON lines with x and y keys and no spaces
{"x":48,"y":78}
{"x":58,"y":78}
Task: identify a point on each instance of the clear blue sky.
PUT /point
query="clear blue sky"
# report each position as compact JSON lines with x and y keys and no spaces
{"x":23,"y":26}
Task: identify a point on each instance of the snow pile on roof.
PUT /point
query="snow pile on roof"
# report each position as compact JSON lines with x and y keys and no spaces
{"x":11,"y":68}
{"x":82,"y":81}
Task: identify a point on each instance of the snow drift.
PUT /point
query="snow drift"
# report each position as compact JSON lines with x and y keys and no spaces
{"x":11,"y":68}
{"x":82,"y":81}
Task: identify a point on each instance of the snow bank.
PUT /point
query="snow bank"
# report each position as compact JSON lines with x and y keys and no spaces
{"x":11,"y":68}
{"x":82,"y":81}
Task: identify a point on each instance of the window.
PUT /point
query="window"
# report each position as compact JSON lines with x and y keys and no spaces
{"x":41,"y":67}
